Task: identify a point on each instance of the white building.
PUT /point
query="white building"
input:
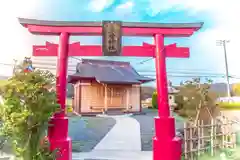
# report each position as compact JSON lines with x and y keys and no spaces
{"x":50,"y":63}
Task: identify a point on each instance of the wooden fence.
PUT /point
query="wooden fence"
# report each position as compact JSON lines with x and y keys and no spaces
{"x":201,"y":138}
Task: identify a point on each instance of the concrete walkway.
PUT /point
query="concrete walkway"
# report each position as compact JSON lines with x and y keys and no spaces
{"x":122,"y":142}
{"x":124,"y":136}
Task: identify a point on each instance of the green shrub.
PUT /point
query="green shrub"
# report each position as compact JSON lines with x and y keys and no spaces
{"x":154,"y":100}
{"x":27,"y":109}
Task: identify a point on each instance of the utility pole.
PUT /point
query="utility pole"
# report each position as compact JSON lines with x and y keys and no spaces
{"x":223,"y":43}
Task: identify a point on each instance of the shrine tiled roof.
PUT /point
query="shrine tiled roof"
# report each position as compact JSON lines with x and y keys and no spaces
{"x":110,"y":72}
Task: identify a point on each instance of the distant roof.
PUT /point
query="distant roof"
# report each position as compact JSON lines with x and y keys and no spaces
{"x":24,"y":21}
{"x":105,"y":71}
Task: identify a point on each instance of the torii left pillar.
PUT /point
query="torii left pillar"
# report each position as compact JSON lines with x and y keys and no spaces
{"x":58,"y":138}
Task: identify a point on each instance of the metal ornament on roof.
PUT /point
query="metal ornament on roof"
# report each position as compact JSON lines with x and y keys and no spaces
{"x":111,"y":38}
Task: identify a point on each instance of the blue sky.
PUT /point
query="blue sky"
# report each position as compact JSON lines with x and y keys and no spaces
{"x":218,"y":16}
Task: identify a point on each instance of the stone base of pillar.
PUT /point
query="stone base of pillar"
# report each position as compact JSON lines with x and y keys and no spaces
{"x":58,"y":137}
{"x":165,"y":145}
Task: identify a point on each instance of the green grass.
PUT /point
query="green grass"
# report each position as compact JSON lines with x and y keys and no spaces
{"x":230,"y":106}
{"x":226,"y":154}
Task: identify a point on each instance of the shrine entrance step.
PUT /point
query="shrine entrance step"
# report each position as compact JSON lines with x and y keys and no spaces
{"x":114,"y":112}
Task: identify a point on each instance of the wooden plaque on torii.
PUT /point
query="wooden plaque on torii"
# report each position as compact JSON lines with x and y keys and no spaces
{"x":111,"y":38}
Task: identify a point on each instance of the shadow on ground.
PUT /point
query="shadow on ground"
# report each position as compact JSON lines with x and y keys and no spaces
{"x":146,"y":121}
{"x":87,"y":132}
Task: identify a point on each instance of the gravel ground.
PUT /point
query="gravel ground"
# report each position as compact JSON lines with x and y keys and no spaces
{"x":87,"y":132}
{"x":147,"y":127}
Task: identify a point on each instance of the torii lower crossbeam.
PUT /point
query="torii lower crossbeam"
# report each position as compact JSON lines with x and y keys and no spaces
{"x":75,"y":49}
{"x":166,"y":146}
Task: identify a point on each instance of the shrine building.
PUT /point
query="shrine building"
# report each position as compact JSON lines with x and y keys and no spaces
{"x":102,"y":86}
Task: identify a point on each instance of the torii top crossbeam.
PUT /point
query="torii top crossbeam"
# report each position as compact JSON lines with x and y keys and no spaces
{"x":45,"y":27}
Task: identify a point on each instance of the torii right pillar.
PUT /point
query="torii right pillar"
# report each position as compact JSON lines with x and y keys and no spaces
{"x":166,"y":146}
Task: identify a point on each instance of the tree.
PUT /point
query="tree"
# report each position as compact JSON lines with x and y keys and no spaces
{"x":27,"y":109}
{"x":193,"y":96}
{"x":236,"y":89}
{"x":154,"y":100}
{"x":154,"y":97}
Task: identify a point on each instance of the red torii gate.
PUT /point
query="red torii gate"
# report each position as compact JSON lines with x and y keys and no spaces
{"x":166,"y":146}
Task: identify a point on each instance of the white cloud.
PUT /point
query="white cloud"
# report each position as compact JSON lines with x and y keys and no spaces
{"x":227,"y":26}
{"x":156,"y":6}
{"x":214,"y":53}
{"x":221,"y":9}
{"x":16,"y":42}
{"x":124,"y":9}
{"x":99,"y":5}
{"x":224,"y":14}
{"x":127,"y":5}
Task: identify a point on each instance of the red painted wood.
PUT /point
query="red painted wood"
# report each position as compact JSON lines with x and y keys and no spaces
{"x":146,"y":50}
{"x":177,"y":52}
{"x":127,"y":31}
{"x":161,"y":75}
{"x":58,"y":131}
{"x":164,"y":124}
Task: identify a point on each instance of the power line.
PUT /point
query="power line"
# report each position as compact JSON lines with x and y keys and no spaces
{"x":186,"y":74}
{"x":6,"y":64}
{"x":177,"y":69}
{"x":172,"y":70}
{"x":53,"y":66}
{"x":190,"y":72}
{"x":139,"y":70}
{"x":176,"y":73}
{"x":182,"y":75}
{"x":71,"y":68}
{"x":172,"y":75}
{"x":144,"y":61}
{"x":149,"y":73}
